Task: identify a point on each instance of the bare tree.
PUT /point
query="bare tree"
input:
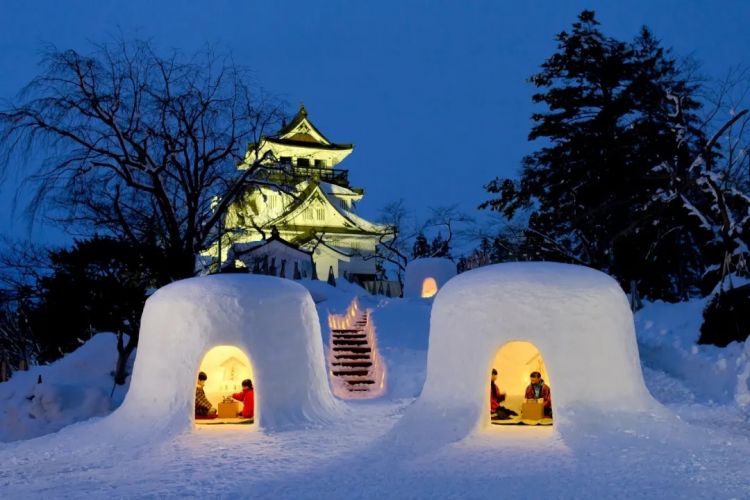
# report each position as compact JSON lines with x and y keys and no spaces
{"x":136,"y":143}
{"x":393,"y":244}
{"x":451,"y":220}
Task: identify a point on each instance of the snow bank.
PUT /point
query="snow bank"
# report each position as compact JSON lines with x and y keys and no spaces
{"x":742,"y":394}
{"x":667,"y":339}
{"x":577,"y":317}
{"x":420,"y":270}
{"x":403,"y":327}
{"x":74,"y":388}
{"x":272,"y":320}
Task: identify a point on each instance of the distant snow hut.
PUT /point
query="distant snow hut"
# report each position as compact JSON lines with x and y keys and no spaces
{"x":425,"y":277}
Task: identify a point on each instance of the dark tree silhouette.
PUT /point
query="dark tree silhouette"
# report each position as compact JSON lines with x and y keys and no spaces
{"x":609,"y":118}
{"x":136,"y":144}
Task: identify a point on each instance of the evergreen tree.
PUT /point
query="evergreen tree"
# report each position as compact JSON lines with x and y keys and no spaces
{"x":101,"y":284}
{"x":421,"y":247}
{"x":609,"y":119}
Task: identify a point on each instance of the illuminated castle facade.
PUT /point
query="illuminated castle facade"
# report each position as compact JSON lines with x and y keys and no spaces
{"x":307,"y":203}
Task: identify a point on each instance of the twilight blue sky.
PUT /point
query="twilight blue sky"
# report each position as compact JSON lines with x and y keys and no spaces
{"x":433,"y":94}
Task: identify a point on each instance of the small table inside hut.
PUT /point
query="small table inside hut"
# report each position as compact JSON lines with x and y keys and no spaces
{"x":228,"y":409}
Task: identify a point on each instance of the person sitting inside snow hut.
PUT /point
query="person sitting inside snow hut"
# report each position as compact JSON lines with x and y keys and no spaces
{"x":498,"y":411}
{"x":537,"y":389}
{"x":247,"y":396}
{"x":203,"y":407}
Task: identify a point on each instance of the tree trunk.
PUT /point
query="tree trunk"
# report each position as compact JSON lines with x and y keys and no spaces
{"x":123,"y":355}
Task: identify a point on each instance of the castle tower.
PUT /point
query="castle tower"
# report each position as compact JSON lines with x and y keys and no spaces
{"x":308,"y":201}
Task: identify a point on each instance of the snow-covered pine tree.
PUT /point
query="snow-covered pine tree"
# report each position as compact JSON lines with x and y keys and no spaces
{"x":587,"y":189}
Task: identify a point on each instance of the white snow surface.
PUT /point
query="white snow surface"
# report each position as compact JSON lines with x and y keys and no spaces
{"x":418,"y":270}
{"x":695,"y":450}
{"x":272,"y":320}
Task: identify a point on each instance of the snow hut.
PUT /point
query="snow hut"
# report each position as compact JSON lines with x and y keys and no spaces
{"x":577,"y":319}
{"x":271,"y":328}
{"x":424,"y":277}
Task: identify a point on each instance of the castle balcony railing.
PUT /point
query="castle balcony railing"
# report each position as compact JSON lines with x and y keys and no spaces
{"x":288,"y":174}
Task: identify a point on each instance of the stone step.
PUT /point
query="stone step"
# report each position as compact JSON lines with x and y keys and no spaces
{"x":351,"y":373}
{"x":346,"y":330}
{"x":352,"y":350}
{"x":349,"y":335}
{"x":343,"y":356}
{"x":352,"y":364}
{"x":359,"y":381}
{"x":351,"y":342}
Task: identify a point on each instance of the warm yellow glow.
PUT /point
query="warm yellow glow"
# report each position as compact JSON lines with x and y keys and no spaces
{"x":429,"y":288}
{"x":226,"y":366}
{"x":514,"y":362}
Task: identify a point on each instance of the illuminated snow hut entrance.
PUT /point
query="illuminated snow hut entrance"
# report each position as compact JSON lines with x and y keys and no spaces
{"x":355,"y":367}
{"x":515,"y":361}
{"x":225,"y":367}
{"x":429,"y":288}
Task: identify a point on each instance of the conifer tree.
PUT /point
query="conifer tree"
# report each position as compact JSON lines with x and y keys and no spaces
{"x":608,"y":118}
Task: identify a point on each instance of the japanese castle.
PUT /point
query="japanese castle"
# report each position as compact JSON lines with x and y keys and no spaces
{"x":303,"y":221}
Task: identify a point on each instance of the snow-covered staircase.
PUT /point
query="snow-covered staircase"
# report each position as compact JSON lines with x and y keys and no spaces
{"x":356,"y":369}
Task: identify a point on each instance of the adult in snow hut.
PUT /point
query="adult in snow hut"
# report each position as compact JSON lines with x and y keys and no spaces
{"x":247,"y":396}
{"x":203,"y":407}
{"x":537,"y":389}
{"x":498,"y":411}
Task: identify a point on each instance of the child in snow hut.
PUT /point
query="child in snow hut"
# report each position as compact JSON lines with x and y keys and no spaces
{"x":537,"y":389}
{"x":498,"y":411}
{"x":247,"y":396}
{"x":203,"y":407}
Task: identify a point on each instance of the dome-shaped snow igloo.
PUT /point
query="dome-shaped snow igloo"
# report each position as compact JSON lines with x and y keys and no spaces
{"x":576,"y":318}
{"x":264,"y":326}
{"x":424,"y":277}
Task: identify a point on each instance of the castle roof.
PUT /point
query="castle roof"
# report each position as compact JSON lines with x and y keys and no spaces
{"x":301,"y":132}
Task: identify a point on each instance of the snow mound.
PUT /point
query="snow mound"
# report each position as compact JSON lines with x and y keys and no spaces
{"x":667,"y":339}
{"x":419,"y":272}
{"x":74,"y":388}
{"x":272,"y":320}
{"x":577,"y":317}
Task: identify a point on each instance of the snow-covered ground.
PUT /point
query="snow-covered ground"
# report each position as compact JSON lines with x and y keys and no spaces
{"x":698,"y":449}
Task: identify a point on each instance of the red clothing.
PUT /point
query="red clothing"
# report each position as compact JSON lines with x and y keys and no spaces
{"x":495,"y":397}
{"x":247,"y":396}
{"x":545,"y":393}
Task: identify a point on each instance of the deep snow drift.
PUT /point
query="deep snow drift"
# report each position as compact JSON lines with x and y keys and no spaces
{"x":77,"y":387}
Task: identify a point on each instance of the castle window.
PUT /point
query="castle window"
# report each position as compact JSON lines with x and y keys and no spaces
{"x":303,"y":162}
{"x":308,"y":214}
{"x":271,"y":201}
{"x":320,"y":213}
{"x":286,"y":160}
{"x":320,"y":163}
